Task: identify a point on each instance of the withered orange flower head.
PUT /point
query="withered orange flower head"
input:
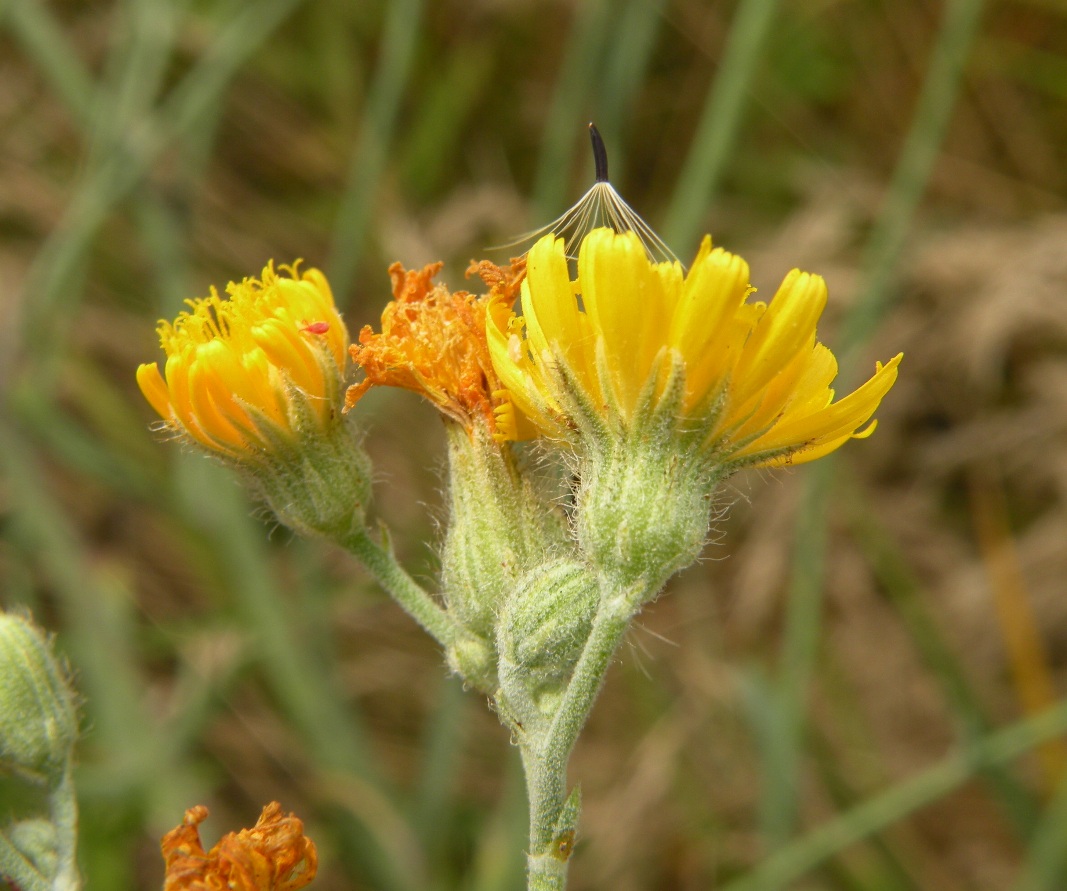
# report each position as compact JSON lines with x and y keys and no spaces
{"x":274,"y":855}
{"x":433,"y":342}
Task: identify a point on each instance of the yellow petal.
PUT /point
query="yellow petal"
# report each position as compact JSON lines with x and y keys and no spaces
{"x":513,"y":366}
{"x":177,"y":375}
{"x":285,"y":347}
{"x":215,"y":420}
{"x":713,"y":292}
{"x":784,"y":329}
{"x":769,"y":405}
{"x":553,"y":319}
{"x":837,"y":422}
{"x":626,"y":301}
{"x":154,"y":389}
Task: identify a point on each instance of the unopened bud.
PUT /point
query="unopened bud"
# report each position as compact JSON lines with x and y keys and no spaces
{"x":545,"y":623}
{"x":38,"y":719}
{"x":474,"y":660}
{"x":498,"y":528}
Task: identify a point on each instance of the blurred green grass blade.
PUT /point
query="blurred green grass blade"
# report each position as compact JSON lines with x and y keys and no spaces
{"x":249,"y":28}
{"x":629,"y":53}
{"x":107,"y":440}
{"x":589,"y":32}
{"x":212,"y":503}
{"x":441,"y":746}
{"x":307,"y":692}
{"x":779,"y":801}
{"x":796,"y":859}
{"x":46,"y":534}
{"x":891,"y":870}
{"x":131,"y":85}
{"x":198,"y":695}
{"x":1029,"y":64}
{"x":35,"y":27}
{"x":913,"y":171}
{"x":499,"y":863}
{"x":720,"y":124}
{"x":164,"y":240}
{"x":918,"y":155}
{"x":905,"y":592}
{"x":370,"y":158}
{"x":72,"y":446}
{"x":53,"y":277}
{"x":766,"y":720}
{"x":443,"y":121}
{"x":144,"y":35}
{"x":99,"y":635}
{"x":1045,"y":866}
{"x":375,"y":834}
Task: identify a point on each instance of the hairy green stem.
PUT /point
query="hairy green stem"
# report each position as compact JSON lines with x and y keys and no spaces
{"x":546,"y":752}
{"x":383,"y":565}
{"x":63,"y":804}
{"x":23,"y":868}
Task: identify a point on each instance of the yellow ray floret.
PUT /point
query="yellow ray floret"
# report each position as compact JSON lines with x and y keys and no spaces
{"x":234,"y":365}
{"x":757,"y":383}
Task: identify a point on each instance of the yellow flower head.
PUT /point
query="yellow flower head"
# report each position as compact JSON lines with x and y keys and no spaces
{"x":244,"y":371}
{"x":433,"y":342}
{"x":756,"y":381}
{"x":274,"y":855}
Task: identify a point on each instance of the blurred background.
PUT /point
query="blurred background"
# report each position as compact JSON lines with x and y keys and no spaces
{"x":863,"y":684}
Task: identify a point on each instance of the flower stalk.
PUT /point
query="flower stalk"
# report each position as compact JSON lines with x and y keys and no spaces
{"x":381,"y":562}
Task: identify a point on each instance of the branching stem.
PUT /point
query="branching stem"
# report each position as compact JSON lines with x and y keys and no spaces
{"x":383,"y":565}
{"x":546,"y":752}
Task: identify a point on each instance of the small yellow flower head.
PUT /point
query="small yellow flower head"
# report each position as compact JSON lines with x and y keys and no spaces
{"x":433,"y":343}
{"x":258,"y":379}
{"x":242,"y":373}
{"x":275,"y":855}
{"x":628,"y":331}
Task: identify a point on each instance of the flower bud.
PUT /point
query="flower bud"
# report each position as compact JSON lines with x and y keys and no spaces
{"x":38,"y":718}
{"x":323,"y":487}
{"x":498,"y":528}
{"x":474,"y":660}
{"x":544,"y":626}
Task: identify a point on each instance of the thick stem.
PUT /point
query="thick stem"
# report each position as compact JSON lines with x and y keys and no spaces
{"x":545,"y":873}
{"x":402,"y":587}
{"x":545,"y":755}
{"x":609,"y":625}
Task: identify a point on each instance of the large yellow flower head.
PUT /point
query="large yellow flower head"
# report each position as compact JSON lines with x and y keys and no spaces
{"x":265,"y":365}
{"x":747,"y":381}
